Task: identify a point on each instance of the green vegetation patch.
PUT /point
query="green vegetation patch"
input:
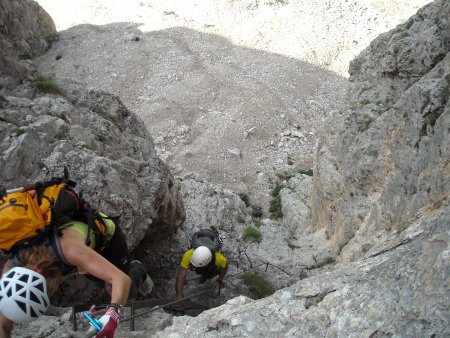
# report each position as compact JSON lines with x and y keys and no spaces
{"x":252,"y":234}
{"x":240,"y":218}
{"x":307,"y":172}
{"x":256,"y":211}
{"x":372,"y":152}
{"x":290,"y":160}
{"x":258,"y":287}
{"x":313,"y":301}
{"x":47,"y":85}
{"x":10,"y":119}
{"x":275,"y":203}
{"x":326,"y":261}
{"x":101,"y":137}
{"x":284,"y":176}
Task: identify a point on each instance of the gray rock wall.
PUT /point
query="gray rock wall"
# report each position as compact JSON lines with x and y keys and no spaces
{"x":386,"y":157}
{"x":106,"y":149}
{"x":26,"y":31}
{"x":380,"y":197}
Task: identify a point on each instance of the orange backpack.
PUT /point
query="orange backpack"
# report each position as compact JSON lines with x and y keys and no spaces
{"x":20,"y":218}
{"x":28,"y":214}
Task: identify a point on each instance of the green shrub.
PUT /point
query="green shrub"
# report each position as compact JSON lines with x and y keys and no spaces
{"x":82,"y":145}
{"x":256,"y":211}
{"x":365,"y":124}
{"x":239,"y":218}
{"x":372,"y":152}
{"x":252,"y":234}
{"x":41,"y":164}
{"x":312,"y":301}
{"x":11,"y":120}
{"x":326,"y":261}
{"x":275,"y":204}
{"x":101,"y":137}
{"x":257,"y":286}
{"x":306,"y":172}
{"x":47,"y":85}
{"x":284,"y":176}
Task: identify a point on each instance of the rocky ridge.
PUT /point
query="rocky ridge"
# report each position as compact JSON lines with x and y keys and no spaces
{"x":394,"y":283}
{"x":227,"y":89}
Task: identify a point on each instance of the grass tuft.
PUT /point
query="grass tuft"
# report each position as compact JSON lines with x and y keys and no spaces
{"x":256,"y":211}
{"x":275,"y":204}
{"x":240,"y":218}
{"x":252,"y":234}
{"x":47,"y":85}
{"x":258,"y":287}
{"x":313,"y":301}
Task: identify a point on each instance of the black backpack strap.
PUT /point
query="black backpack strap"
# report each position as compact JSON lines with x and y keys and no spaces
{"x":90,"y":216}
{"x":3,"y":192}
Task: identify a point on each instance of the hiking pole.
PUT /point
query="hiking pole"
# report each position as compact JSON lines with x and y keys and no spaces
{"x":163,"y":306}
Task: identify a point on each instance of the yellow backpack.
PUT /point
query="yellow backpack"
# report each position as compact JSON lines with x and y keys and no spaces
{"x":20,"y":218}
{"x":28,"y":214}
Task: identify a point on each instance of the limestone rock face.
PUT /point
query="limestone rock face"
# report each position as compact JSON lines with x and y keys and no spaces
{"x":386,"y":158}
{"x":401,"y":290}
{"x":107,"y":150}
{"x":380,"y":196}
{"x":378,"y":203}
{"x":24,"y":38}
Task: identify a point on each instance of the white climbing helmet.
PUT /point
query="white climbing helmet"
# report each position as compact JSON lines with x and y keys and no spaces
{"x":23,"y":295}
{"x":201,"y":257}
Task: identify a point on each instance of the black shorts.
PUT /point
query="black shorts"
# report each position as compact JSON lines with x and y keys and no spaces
{"x":116,"y":251}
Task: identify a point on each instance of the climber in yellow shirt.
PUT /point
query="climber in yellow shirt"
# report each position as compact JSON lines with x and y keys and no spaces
{"x":205,"y":259}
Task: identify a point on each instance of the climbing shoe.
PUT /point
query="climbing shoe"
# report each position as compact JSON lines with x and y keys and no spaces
{"x":140,"y":278}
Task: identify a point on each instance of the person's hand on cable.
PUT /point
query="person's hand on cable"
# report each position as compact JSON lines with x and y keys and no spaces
{"x":94,"y":313}
{"x":109,"y":321}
